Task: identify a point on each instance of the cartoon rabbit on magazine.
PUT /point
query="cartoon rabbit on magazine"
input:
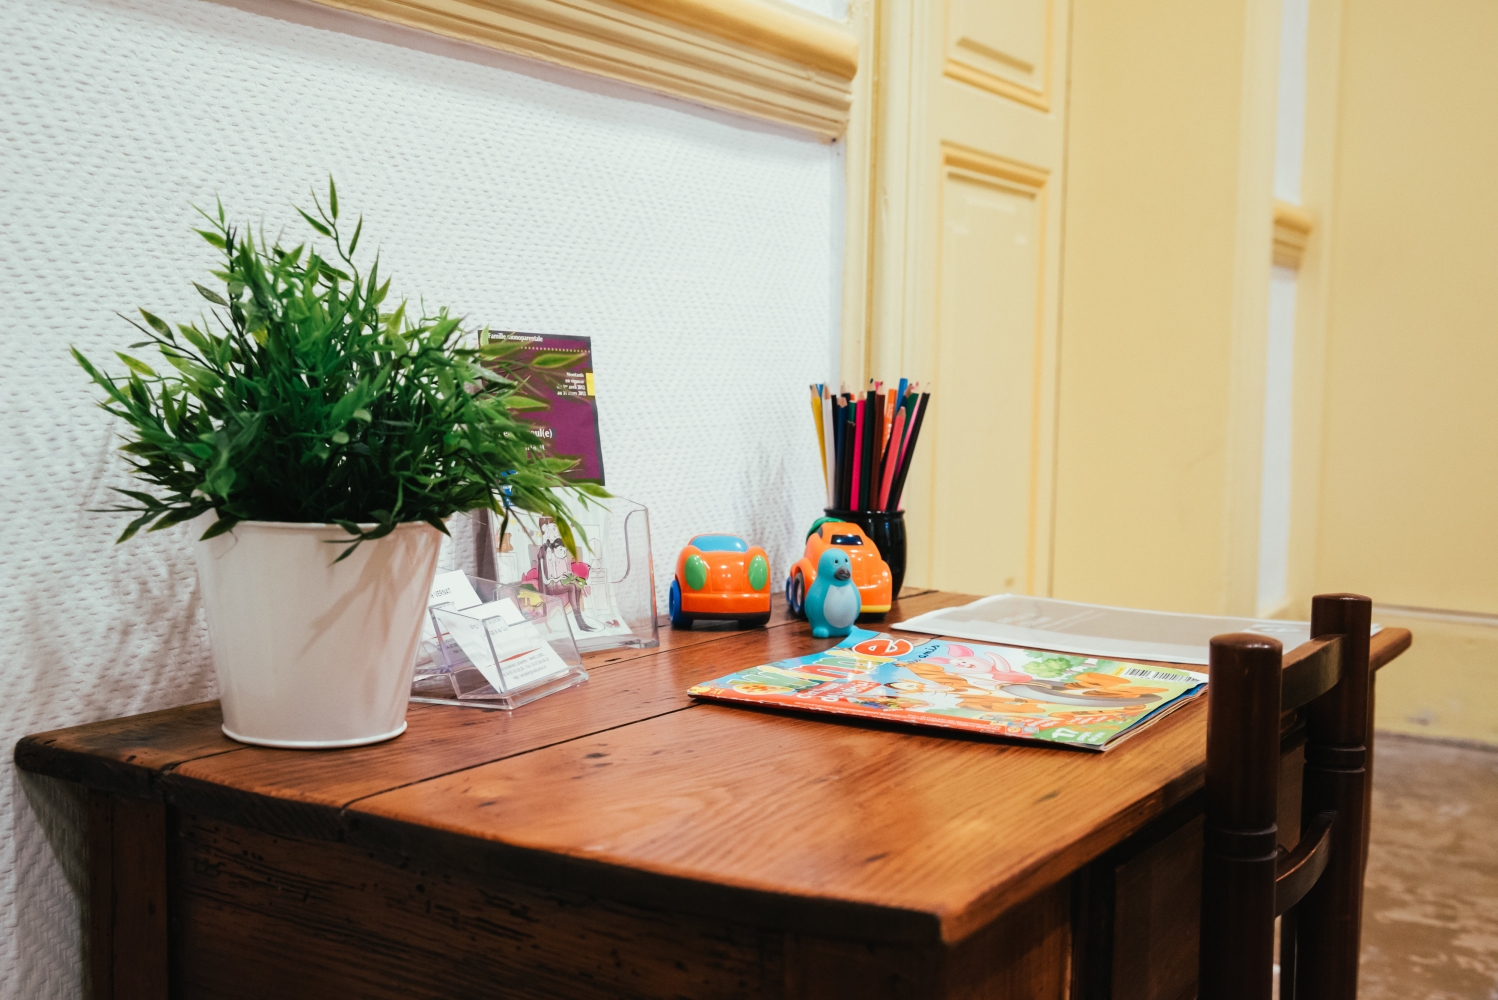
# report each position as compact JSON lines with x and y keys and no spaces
{"x":987,"y":669}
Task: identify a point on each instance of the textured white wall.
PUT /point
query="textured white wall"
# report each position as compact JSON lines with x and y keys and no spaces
{"x":697,"y":249}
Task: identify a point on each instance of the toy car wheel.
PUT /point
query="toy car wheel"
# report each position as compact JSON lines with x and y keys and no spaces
{"x":678,"y":618}
{"x":795,"y":593}
{"x":758,"y":620}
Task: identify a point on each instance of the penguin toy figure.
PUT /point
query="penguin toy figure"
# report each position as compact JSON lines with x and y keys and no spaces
{"x":833,"y":602}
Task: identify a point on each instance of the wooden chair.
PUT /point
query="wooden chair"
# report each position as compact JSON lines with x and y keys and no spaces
{"x":1258,"y":700}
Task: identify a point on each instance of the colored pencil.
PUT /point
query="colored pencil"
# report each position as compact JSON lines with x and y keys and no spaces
{"x":909,"y":449}
{"x":889,"y":419}
{"x":866,"y":441}
{"x":855,"y":492}
{"x":839,"y":418}
{"x":816,"y":416}
{"x":846,"y":485}
{"x":915,"y":405}
{"x":891,"y":461}
{"x":829,"y":450}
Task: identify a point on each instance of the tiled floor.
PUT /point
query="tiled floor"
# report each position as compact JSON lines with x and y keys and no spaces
{"x":1430,"y":917}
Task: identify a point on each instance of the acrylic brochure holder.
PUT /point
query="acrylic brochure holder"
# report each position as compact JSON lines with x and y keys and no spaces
{"x":493,"y":653}
{"x":606,"y":592}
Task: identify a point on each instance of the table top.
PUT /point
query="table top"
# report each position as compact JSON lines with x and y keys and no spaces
{"x":627,"y":786}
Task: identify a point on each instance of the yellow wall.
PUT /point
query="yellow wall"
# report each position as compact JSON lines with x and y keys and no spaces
{"x":1408,"y":495}
{"x":1164,"y":302}
{"x":1446,"y":685}
{"x":1166,"y":195}
{"x":1410,"y":481}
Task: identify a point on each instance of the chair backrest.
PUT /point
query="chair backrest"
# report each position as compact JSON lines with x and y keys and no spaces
{"x":1247,"y":878}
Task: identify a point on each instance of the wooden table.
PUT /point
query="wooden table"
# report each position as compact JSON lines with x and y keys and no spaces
{"x":619,"y":839}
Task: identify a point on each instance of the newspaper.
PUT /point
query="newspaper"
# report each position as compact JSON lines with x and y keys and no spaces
{"x":1097,"y":630}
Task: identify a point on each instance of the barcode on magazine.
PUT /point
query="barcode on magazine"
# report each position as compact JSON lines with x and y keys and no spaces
{"x":1169,"y":676}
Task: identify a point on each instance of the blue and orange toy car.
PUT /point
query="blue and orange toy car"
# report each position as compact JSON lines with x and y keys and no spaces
{"x":870,"y":572}
{"x":720,"y":577}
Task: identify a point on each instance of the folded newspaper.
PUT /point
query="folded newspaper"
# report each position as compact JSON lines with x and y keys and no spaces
{"x":1097,"y":630}
{"x":1027,"y":694}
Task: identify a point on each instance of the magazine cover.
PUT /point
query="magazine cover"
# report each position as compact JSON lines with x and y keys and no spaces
{"x":1078,"y":701}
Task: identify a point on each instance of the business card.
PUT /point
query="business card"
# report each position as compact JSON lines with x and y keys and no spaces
{"x":502,"y":643}
{"x":453,"y":590}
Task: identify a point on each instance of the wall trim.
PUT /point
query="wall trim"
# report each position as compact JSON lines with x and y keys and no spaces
{"x":756,"y":57}
{"x":1448,"y":615}
{"x":1404,"y":735}
{"x":1292,"y":228}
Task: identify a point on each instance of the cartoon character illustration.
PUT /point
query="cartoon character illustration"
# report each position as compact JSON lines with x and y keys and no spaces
{"x":556,"y":573}
{"x":720,"y":577}
{"x":976,"y":689}
{"x":932,"y":696}
{"x":988,"y":668}
{"x":870,"y":572}
{"x":833,"y":602}
{"x":1089,"y":688}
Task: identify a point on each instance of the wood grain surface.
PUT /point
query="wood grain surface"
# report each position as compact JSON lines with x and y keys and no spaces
{"x":441,"y":739}
{"x":130,"y":755}
{"x":266,"y":916}
{"x":794,"y":809}
{"x":625,"y":784}
{"x":127,"y":912}
{"x":672,"y":638}
{"x":125,"y":755}
{"x":263,"y":787}
{"x":259,"y":915}
{"x":774,"y":809}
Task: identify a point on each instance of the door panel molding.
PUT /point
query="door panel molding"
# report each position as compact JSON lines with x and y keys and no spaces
{"x":936,"y":136}
{"x":990,"y":424}
{"x":990,"y":65}
{"x":990,"y":165}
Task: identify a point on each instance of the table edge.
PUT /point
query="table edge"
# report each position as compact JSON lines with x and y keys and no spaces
{"x":402,"y":839}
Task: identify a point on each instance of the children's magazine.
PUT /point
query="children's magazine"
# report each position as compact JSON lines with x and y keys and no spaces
{"x":1029,"y":694}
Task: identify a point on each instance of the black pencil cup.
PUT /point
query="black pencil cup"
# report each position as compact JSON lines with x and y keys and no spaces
{"x":886,"y":528}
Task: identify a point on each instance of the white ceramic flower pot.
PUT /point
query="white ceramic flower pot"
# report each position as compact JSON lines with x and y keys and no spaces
{"x":311,"y":653}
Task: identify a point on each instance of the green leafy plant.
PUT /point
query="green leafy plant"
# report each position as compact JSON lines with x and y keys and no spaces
{"x":548,"y":369}
{"x":302,"y":397}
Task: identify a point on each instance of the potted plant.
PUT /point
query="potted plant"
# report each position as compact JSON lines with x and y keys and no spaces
{"x":317,"y":438}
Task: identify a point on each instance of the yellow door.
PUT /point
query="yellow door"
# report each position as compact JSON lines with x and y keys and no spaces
{"x":965,"y":210}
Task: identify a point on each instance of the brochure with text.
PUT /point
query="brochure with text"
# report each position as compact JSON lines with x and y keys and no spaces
{"x":556,"y":396}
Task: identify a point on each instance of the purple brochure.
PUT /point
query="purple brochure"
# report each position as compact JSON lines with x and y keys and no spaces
{"x":556,"y":375}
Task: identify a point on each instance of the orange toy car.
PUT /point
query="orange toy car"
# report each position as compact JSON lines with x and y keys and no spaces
{"x":870,"y":573}
{"x":720,"y":577}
